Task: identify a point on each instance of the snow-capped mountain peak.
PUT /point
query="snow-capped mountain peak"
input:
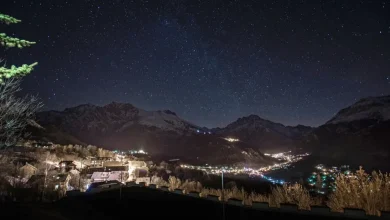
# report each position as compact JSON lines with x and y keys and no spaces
{"x":371,"y":108}
{"x":165,"y":120}
{"x":114,"y":117}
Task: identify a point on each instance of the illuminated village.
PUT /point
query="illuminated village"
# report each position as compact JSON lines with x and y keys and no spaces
{"x":59,"y":170}
{"x":322,"y":180}
{"x":231,"y":139}
{"x":286,"y":159}
{"x":115,"y":168}
{"x":66,"y":170}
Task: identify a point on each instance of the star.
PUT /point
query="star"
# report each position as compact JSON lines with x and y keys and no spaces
{"x":211,"y":64}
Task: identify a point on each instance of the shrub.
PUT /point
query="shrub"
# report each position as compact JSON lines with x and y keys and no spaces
{"x":174,"y":183}
{"x":293,"y":194}
{"x":207,"y":191}
{"x":235,"y":193}
{"x":191,"y":186}
{"x":361,"y":191}
{"x":255,"y":197}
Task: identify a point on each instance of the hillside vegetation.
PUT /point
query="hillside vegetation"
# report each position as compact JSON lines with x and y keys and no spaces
{"x":363,"y":191}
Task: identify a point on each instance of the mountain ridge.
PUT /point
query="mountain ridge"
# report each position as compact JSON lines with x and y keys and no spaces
{"x":120,"y":116}
{"x":370,"y":107}
{"x":361,"y":128}
{"x":123,"y":126}
{"x":264,"y":134}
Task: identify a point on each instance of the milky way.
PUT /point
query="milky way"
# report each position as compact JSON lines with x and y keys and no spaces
{"x":293,"y":62}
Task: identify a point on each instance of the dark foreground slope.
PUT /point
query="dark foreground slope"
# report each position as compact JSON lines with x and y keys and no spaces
{"x":138,"y":203}
{"x":357,"y":135}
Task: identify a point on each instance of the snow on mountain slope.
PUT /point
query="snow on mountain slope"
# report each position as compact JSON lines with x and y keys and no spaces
{"x":114,"y":117}
{"x":165,"y":120}
{"x":372,"y":108}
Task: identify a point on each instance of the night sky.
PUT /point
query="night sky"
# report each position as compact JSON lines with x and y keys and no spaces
{"x":210,"y":61}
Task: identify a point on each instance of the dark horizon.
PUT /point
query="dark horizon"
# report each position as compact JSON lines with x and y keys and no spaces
{"x":287,"y":62}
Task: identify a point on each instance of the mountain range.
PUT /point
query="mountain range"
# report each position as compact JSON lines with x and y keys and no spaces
{"x":268,"y":136}
{"x":358,"y":134}
{"x":123,"y":126}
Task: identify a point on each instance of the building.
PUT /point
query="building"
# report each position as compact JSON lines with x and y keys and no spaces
{"x":99,"y":177}
{"x":61,"y":182}
{"x":141,"y":172}
{"x":98,"y":161}
{"x":137,"y":169}
{"x":112,"y":164}
{"x":91,"y":170}
{"x":27,"y":171}
{"x":74,"y":172}
{"x":116,"y":168}
{"x":58,"y":183}
{"x":67,"y":165}
{"x":81,"y":164}
{"x":120,"y":176}
{"x":102,"y":186}
{"x":119,"y":173}
{"x":137,"y":164}
{"x":145,"y":180}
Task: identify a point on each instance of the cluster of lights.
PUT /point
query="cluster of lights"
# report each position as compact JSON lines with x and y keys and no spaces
{"x":272,"y":180}
{"x":217,"y":170}
{"x":231,"y":139}
{"x":137,"y":152}
{"x":278,"y":155}
{"x":328,"y":176}
{"x":130,"y":151}
{"x":118,"y":152}
{"x":287,"y":156}
{"x":204,"y":132}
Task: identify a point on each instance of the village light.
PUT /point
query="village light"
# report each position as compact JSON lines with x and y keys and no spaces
{"x":231,"y":139}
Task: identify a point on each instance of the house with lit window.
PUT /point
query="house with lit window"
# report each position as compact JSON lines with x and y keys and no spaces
{"x":53,"y":182}
{"x":99,"y":161}
{"x":119,"y":173}
{"x":67,"y":165}
{"x":137,"y":164}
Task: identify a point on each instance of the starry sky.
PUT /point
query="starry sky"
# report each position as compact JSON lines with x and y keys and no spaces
{"x":289,"y":61}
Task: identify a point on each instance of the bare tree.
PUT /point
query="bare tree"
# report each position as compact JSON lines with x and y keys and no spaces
{"x":48,"y":165}
{"x":15,"y":112}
